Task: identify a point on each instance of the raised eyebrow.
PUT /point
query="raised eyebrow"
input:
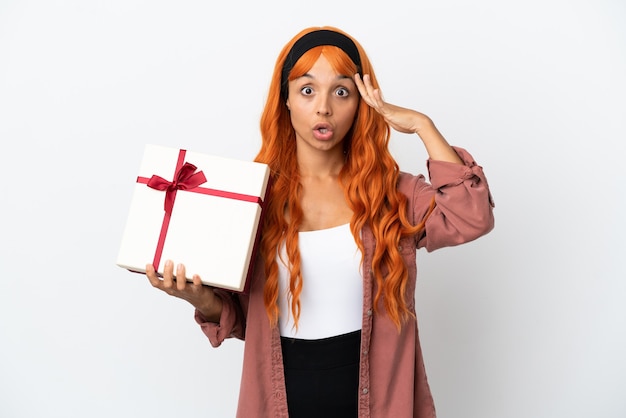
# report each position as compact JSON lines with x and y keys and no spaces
{"x":339,"y":77}
{"x":342,"y":80}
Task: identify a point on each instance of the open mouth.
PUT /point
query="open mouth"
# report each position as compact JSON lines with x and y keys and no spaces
{"x":322,"y":132}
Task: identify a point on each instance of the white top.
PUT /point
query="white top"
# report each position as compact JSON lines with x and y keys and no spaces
{"x":332,"y":285}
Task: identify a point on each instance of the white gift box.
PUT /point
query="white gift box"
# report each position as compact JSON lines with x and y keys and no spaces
{"x":213,"y":225}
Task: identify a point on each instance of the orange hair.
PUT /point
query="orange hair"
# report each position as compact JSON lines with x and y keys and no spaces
{"x":369,"y":175}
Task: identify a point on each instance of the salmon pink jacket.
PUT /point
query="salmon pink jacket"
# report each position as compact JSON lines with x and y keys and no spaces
{"x":392,"y":381}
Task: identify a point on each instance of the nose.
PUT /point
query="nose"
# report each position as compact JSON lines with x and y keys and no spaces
{"x":323,"y":106}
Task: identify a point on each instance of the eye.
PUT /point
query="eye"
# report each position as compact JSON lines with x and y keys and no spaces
{"x":342,"y":92}
{"x":307,"y":91}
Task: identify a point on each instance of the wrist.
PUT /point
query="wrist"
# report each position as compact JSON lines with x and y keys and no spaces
{"x":212,"y":312}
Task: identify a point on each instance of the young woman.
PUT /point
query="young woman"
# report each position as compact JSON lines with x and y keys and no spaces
{"x":329,"y":321}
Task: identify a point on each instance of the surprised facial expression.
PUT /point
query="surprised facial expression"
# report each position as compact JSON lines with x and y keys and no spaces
{"x":323,"y":105}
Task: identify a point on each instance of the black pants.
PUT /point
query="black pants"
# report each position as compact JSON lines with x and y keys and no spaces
{"x":322,"y":376}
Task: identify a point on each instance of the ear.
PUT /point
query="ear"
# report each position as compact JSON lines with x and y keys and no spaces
{"x":287,"y":104}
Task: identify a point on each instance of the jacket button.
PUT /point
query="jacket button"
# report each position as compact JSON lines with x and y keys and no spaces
{"x":365,"y":391}
{"x":369,"y":312}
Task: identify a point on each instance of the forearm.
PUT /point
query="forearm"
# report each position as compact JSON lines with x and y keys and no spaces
{"x":436,"y":145}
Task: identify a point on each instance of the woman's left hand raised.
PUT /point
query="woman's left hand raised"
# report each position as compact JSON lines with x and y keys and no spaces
{"x":401,"y":119}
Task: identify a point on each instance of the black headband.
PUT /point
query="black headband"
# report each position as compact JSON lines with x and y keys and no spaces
{"x":311,"y":40}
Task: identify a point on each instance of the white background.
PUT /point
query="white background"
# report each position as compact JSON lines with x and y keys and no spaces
{"x":529,"y":321}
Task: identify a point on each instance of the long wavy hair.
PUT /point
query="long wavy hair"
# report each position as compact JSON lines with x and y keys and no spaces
{"x":369,"y":178}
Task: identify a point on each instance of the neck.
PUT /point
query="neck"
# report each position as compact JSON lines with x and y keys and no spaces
{"x":321,"y":164}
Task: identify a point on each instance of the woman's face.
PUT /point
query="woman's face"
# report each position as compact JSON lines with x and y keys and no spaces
{"x":322,"y":105}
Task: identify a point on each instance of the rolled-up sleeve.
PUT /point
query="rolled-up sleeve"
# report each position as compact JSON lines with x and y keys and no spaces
{"x":464,"y":205}
{"x":232,"y":320}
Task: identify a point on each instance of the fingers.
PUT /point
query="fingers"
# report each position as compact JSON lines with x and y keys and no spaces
{"x":168,"y":275}
{"x":196,"y":280}
{"x":359,"y":83}
{"x":168,"y":283}
{"x":176,"y":285}
{"x":371,"y":95}
{"x":152,"y":276}
{"x":181,"y":280}
{"x":364,"y":85}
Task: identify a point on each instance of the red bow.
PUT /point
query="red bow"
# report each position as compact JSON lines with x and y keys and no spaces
{"x":185,"y":178}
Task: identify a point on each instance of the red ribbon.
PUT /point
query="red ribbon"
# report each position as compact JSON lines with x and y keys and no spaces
{"x":185,"y":178}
